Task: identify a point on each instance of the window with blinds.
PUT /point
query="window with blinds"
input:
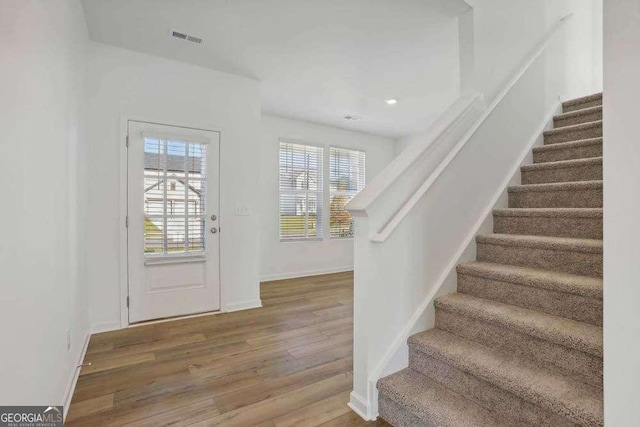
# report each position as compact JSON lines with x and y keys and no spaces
{"x":174,"y":196}
{"x":301,"y":193}
{"x":346,"y":179}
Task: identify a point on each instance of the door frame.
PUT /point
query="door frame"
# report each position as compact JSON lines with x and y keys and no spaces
{"x":123,"y":273}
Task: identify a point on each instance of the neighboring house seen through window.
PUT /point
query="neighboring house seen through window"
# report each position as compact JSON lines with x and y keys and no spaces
{"x":346,"y":179}
{"x":300,"y":191}
{"x":174,"y":202}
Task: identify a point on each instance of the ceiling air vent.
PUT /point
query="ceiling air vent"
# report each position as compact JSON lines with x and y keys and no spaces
{"x":184,"y":36}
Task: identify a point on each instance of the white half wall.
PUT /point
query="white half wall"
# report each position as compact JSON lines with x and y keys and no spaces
{"x":621,"y":206}
{"x":278,"y":259}
{"x":44,"y":297}
{"x":125,"y":84}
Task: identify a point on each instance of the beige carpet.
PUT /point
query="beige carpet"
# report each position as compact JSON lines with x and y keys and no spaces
{"x":521,"y":341}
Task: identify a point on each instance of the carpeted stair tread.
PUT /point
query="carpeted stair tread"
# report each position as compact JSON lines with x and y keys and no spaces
{"x":562,"y":282}
{"x":564,"y":254}
{"x":557,"y":186}
{"x":579,"y":194}
{"x":563,"y":164}
{"x":543,"y":242}
{"x":583,"y":223}
{"x":575,"y":170}
{"x":582,"y":100}
{"x":579,"y":402}
{"x":573,"y":132}
{"x":568,"y":144}
{"x":568,"y":295}
{"x":568,"y":150}
{"x":551,"y":212}
{"x":578,"y":113}
{"x":431,"y":403}
{"x":569,"y":129}
{"x":584,"y":115}
{"x":558,"y":330}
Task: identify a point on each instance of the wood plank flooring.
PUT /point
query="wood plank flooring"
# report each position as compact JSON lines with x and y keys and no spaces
{"x":288,"y":363}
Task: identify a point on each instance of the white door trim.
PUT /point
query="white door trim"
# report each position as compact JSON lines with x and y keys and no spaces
{"x":125,"y":118}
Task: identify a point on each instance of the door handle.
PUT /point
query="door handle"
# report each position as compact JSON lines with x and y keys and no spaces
{"x":214,"y":230}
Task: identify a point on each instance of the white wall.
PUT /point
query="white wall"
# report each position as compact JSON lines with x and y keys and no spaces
{"x":505,"y":31}
{"x":291,"y":259}
{"x":496,"y":36}
{"x":621,"y":207}
{"x":123,"y":83}
{"x":583,"y":56}
{"x":42,"y":44}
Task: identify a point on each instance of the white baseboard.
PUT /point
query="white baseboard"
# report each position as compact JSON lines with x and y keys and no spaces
{"x":243,"y":305}
{"x":283,"y":276}
{"x":98,"y":327}
{"x":74,"y":378}
{"x":359,"y":406}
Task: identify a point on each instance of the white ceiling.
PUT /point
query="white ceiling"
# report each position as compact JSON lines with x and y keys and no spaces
{"x":317,"y":60}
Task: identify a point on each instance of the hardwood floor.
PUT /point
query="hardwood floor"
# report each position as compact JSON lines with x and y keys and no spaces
{"x":286,"y":364}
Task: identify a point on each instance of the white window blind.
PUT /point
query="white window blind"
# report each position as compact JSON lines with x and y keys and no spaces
{"x":300,"y":191}
{"x":174,"y":196}
{"x":346,"y":178}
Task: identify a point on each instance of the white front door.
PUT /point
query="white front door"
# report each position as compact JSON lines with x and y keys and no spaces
{"x":173,"y":209}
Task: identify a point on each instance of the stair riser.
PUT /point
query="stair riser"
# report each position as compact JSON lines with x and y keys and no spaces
{"x":493,"y":398}
{"x":408,"y":398}
{"x":565,"y":261}
{"x":575,"y":135}
{"x":397,"y":415}
{"x":572,"y":198}
{"x":577,"y":120}
{"x":581,"y":106}
{"x":589,"y":172}
{"x":584,"y":152}
{"x":580,"y":228}
{"x":579,"y":365}
{"x":571,"y":306}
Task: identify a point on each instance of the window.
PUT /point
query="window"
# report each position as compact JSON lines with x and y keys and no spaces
{"x":346,"y":179}
{"x":300,"y":191}
{"x":174,"y":196}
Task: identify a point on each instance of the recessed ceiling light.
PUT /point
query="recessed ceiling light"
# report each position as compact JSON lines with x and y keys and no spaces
{"x":391,"y":101}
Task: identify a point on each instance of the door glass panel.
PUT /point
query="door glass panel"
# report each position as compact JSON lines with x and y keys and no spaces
{"x":174,"y":196}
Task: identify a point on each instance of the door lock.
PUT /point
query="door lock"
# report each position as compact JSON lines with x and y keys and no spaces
{"x":214,"y":230}
{"x":213,"y":217}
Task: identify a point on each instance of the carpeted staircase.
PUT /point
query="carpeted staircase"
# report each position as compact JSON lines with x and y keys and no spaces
{"x":521,"y":341}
